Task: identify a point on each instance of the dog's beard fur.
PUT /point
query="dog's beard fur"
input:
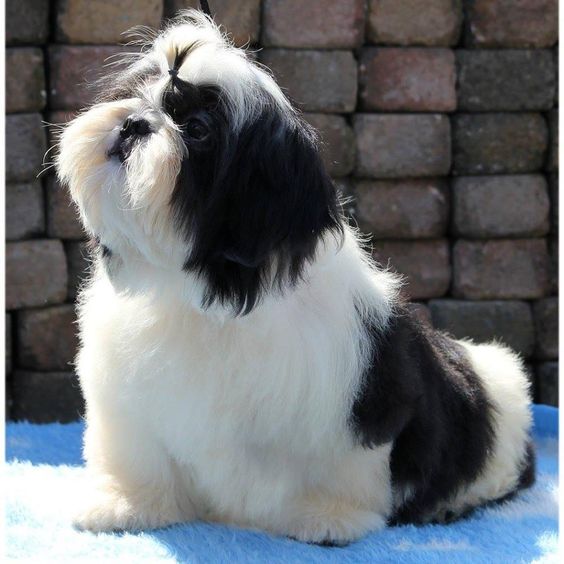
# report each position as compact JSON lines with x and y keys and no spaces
{"x":242,"y":359}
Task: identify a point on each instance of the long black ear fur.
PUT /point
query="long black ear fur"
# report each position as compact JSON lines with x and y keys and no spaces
{"x":254,"y":204}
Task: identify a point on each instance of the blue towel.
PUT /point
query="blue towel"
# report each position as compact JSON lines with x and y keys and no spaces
{"x":44,"y":476}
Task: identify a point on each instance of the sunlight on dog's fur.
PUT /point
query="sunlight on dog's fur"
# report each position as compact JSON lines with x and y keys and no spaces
{"x":242,"y":358}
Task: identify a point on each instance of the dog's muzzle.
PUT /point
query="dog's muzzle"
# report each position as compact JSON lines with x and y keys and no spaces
{"x":132,"y":130}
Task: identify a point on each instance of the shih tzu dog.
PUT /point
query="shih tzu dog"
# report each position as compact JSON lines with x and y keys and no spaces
{"x":242,"y":358}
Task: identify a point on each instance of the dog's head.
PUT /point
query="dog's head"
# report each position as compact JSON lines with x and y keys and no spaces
{"x":192,"y":159}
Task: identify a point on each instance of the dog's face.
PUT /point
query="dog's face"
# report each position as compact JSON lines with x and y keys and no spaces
{"x":193,"y":160}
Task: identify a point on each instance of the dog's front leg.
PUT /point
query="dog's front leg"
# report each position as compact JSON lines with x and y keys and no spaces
{"x":135,"y":485}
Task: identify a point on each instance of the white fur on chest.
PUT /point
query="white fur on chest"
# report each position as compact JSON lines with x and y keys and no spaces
{"x":247,"y":376}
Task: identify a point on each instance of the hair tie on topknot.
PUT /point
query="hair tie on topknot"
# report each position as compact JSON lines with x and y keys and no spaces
{"x":173,"y":73}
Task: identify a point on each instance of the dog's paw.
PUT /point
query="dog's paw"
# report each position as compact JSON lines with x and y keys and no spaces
{"x":335,"y":528}
{"x":105,"y":515}
{"x":111,"y":512}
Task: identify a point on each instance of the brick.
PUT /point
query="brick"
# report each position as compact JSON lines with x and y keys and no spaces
{"x":556,"y":72}
{"x":73,"y":71}
{"x":27,"y":22}
{"x":421,"y":312}
{"x":546,"y":323}
{"x":317,"y":81}
{"x":328,"y":24}
{"x":510,"y":322}
{"x":505,"y":80}
{"x":45,"y":397}
{"x":47,"y":338}
{"x":25,"y":147}
{"x":62,"y":214}
{"x":505,"y":269}
{"x":36,"y":273}
{"x":240,"y":19}
{"x":402,"y":209}
{"x":416,"y":79}
{"x":103,"y":21}
{"x":506,"y":23}
{"x":553,"y":191}
{"x":425,"y":264}
{"x":414,"y":22}
{"x":78,"y":265}
{"x":500,"y":206}
{"x":396,"y":145}
{"x":547,"y":383}
{"x":8,"y":343}
{"x":25,"y":215}
{"x":498,"y":143}
{"x":337,"y":147}
{"x":553,"y":254}
{"x":25,"y":80}
{"x":552,"y":164}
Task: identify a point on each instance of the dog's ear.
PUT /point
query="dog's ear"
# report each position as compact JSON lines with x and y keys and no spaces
{"x":268,"y":201}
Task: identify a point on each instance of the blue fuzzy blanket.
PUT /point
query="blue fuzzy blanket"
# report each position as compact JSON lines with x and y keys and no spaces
{"x":44,"y":476}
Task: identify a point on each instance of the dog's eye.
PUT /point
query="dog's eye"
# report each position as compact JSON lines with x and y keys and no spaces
{"x":196,"y":129}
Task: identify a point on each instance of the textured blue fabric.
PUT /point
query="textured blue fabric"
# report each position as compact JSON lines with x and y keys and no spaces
{"x":44,"y":477}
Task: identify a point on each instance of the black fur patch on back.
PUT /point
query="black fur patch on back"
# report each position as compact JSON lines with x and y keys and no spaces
{"x":252,"y":203}
{"x":422,"y":393}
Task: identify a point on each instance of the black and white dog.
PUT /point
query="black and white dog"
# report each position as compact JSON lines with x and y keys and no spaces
{"x":242,"y":358}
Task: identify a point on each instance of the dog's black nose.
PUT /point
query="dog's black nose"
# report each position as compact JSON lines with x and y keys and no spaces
{"x":132,"y":129}
{"x":134,"y":126}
